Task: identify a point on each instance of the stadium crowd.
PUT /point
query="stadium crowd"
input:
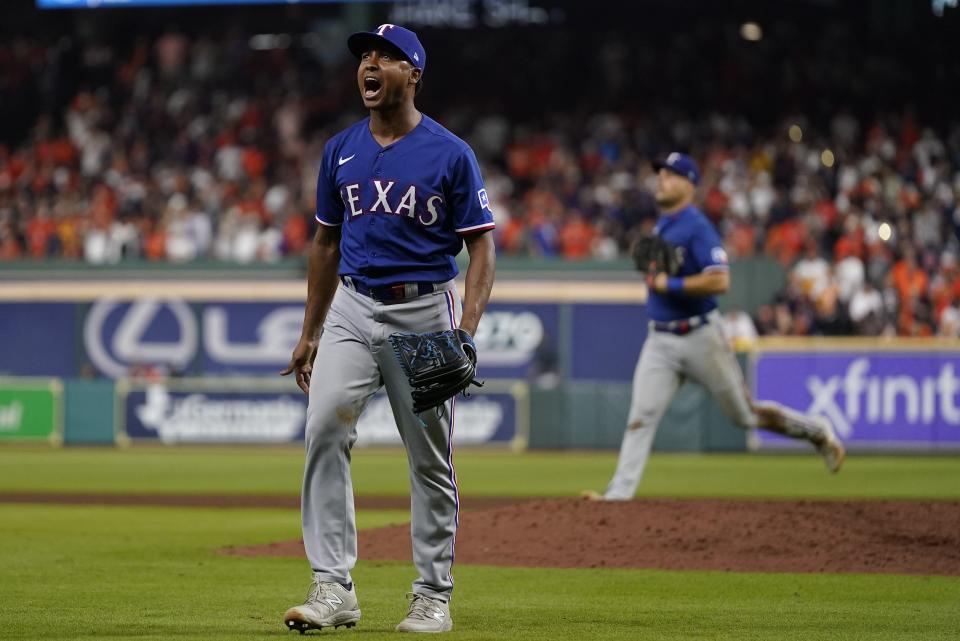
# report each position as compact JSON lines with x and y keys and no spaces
{"x":180,"y":148}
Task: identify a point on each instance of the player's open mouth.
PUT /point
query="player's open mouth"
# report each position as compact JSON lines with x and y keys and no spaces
{"x":371,"y":87}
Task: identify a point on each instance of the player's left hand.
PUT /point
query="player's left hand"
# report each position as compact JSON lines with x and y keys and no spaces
{"x":658,"y":282}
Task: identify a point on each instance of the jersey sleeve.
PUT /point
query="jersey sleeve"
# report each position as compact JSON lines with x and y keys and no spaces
{"x":468,"y":197}
{"x":329,"y":202}
{"x":708,"y":249}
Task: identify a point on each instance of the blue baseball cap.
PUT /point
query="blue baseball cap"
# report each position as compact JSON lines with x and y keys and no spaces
{"x":681,"y":164}
{"x":396,"y":36}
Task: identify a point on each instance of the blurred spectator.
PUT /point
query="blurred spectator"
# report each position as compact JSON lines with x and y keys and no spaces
{"x":576,"y":237}
{"x":811,"y":274}
{"x":739,"y":329}
{"x":765,"y":321}
{"x":949,"y":322}
{"x":867,"y":310}
{"x":849,"y":275}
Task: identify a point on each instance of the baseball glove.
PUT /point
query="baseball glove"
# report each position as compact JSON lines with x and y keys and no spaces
{"x":439,"y":365}
{"x":652,"y":254}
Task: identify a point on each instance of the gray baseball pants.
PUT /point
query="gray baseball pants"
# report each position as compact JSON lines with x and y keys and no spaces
{"x":354,"y":359}
{"x":703,"y":355}
{"x":666,"y":360}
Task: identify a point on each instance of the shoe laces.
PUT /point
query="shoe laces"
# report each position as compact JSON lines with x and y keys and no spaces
{"x":319,"y":592}
{"x":422,"y":607}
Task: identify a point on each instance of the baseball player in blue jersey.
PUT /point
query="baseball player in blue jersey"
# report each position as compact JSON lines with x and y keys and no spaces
{"x":398,"y":196}
{"x":686,"y":339}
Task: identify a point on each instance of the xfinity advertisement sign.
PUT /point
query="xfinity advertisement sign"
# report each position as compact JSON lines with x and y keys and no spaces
{"x":875,"y":400}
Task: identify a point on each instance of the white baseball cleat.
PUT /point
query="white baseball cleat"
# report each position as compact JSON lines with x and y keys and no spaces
{"x":328,"y":604}
{"x":831,"y":448}
{"x":426,"y":615}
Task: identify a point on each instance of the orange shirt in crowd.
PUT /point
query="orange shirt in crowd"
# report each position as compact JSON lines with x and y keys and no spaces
{"x":576,"y":238}
{"x":827,"y":212}
{"x":254,"y":162}
{"x":715,"y":203}
{"x":786,"y":240}
{"x":155,"y":245}
{"x":58,"y":152}
{"x":911,"y":282}
{"x":512,"y":235}
{"x":9,"y":248}
{"x":295,"y":233}
{"x":908,"y":323}
{"x":945,"y":294}
{"x":38,"y":231}
{"x":741,"y":240}
{"x":850,"y":244}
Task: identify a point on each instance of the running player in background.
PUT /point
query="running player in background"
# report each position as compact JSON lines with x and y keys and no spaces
{"x":398,"y":196}
{"x":686,"y":340}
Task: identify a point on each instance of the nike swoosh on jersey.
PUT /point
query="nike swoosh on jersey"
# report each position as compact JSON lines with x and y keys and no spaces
{"x":342,"y":161}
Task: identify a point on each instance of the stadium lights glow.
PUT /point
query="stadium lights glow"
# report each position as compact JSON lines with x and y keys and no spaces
{"x":884,"y":231}
{"x":751,"y":31}
{"x":826,"y":157}
{"x":795,"y":133}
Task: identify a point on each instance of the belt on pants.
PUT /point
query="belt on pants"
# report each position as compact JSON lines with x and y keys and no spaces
{"x":681,"y":326}
{"x":394,"y":292}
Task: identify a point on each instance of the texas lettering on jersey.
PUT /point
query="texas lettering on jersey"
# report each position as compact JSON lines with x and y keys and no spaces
{"x":386,"y":197}
{"x":403,"y":208}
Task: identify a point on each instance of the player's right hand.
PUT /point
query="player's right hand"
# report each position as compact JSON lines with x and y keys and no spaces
{"x":301,"y":363}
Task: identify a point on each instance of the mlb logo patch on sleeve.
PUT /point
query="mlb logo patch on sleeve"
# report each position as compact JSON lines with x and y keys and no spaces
{"x":719,"y":255}
{"x":484,"y":201}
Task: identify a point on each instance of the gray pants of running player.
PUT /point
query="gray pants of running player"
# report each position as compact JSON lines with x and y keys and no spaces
{"x":704,"y":356}
{"x":354,"y":359}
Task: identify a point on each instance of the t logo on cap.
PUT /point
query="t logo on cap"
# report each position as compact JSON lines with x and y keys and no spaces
{"x":680,"y":164}
{"x":397,"y":37}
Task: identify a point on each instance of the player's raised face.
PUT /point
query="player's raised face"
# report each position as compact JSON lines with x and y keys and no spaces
{"x":672,"y":189}
{"x":385,"y":79}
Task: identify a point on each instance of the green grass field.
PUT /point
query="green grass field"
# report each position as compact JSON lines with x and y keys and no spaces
{"x":248,"y":470}
{"x":95,"y":572}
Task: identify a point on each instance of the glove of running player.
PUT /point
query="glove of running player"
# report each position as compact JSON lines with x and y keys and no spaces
{"x":652,"y":255}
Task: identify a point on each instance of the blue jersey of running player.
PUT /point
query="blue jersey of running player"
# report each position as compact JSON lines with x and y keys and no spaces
{"x":700,"y":250}
{"x":405,"y":207}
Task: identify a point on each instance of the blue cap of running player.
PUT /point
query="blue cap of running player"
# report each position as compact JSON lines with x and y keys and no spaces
{"x":396,"y":37}
{"x":681,"y":164}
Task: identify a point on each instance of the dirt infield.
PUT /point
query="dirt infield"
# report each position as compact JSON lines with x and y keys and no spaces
{"x":906,"y":537}
{"x":903,"y":537}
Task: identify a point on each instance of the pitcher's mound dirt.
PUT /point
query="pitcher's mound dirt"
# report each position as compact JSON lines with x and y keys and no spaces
{"x":913,"y":537}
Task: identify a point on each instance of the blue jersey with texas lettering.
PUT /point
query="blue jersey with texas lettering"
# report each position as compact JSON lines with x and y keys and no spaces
{"x":699,"y":249}
{"x":405,"y":207}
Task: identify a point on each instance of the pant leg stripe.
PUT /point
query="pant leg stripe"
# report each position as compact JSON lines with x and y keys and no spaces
{"x":450,"y":308}
{"x":453,"y":473}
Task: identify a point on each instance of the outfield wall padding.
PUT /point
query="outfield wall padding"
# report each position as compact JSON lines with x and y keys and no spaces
{"x":88,"y":409}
